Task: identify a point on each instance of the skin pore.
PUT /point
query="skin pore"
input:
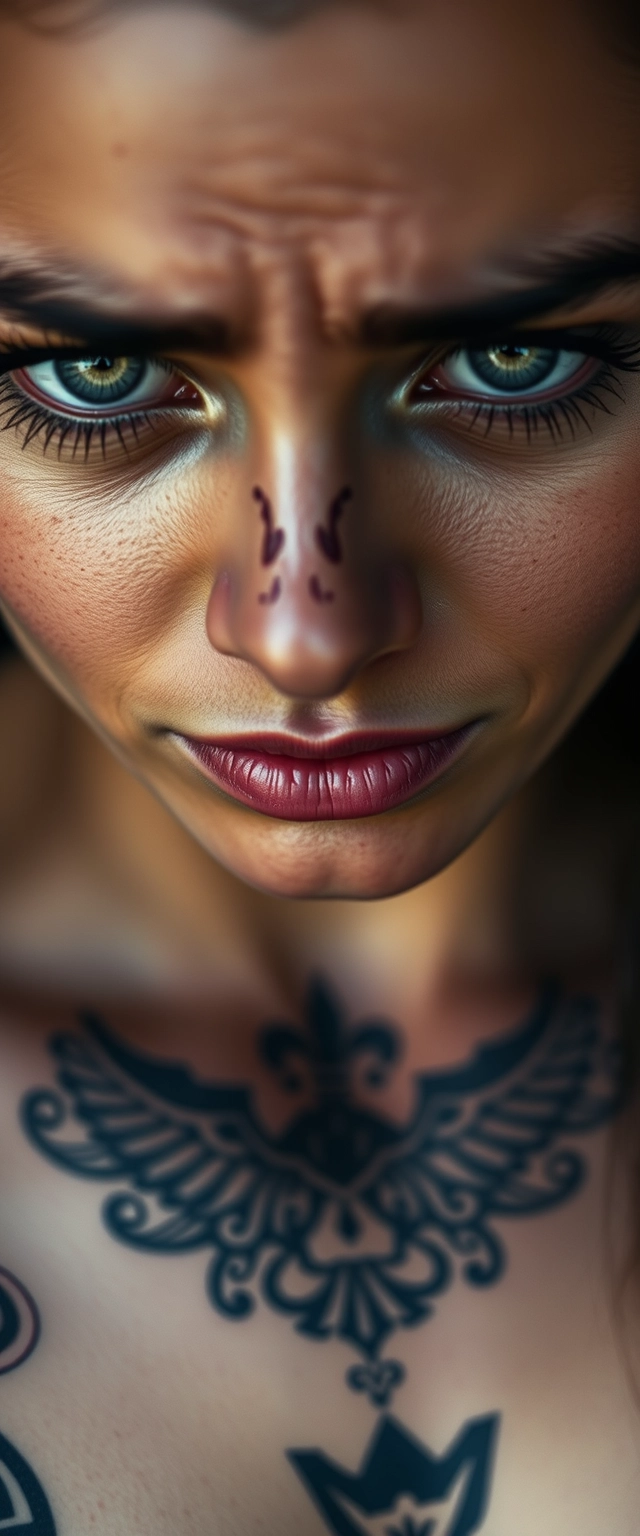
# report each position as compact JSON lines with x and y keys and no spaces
{"x":485,"y":576}
{"x":319,"y":410}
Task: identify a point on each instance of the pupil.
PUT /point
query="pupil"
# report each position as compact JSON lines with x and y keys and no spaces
{"x":512,"y":357}
{"x":105,"y":379}
{"x":513,"y":367}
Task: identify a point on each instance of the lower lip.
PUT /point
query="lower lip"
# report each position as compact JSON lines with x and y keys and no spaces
{"x":341,"y":788}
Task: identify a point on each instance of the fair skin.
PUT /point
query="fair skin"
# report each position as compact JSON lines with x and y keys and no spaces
{"x":246,"y":199}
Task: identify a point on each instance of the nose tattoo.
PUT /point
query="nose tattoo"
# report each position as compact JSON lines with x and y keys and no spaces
{"x":328,"y":539}
{"x":273,"y":537}
{"x":274,"y":592}
{"x":317,"y":592}
{"x":271,"y":544}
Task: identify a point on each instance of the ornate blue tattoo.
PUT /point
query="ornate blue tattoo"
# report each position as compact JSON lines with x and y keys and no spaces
{"x":350,"y":1224}
{"x":19,"y":1324}
{"x":24,"y":1507}
{"x":403,"y":1489}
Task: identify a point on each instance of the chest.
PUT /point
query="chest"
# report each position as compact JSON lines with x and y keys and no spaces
{"x":302,"y":1366}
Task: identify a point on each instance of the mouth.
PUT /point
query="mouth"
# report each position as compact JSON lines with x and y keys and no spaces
{"x":356,"y":775}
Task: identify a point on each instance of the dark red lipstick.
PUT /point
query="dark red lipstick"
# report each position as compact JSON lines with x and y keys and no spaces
{"x":354,"y":775}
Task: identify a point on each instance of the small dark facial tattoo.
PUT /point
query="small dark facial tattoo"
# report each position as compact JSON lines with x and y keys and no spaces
{"x":274,"y":592}
{"x":319,"y":594}
{"x":272,"y":544}
{"x":273,"y":540}
{"x":328,"y":539}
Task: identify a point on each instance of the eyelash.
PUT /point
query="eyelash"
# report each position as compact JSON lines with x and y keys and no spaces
{"x":608,"y":343}
{"x":21,"y":411}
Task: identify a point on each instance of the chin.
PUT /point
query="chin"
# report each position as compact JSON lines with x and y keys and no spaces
{"x":363,"y":860}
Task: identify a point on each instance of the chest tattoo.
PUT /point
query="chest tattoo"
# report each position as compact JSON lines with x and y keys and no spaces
{"x":24,"y":1507}
{"x":19,"y":1324}
{"x":402,"y":1489}
{"x":352,"y":1225}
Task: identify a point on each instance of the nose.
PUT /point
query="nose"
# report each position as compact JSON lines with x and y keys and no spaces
{"x":311,"y":591}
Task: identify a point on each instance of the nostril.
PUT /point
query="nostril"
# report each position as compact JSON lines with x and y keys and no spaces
{"x":309,"y":631}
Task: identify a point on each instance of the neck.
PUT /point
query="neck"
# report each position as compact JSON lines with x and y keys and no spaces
{"x":107,"y":891}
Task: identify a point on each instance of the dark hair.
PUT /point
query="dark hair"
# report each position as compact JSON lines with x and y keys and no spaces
{"x":67,"y":15}
{"x":618,"y":21}
{"x":598,"y":763}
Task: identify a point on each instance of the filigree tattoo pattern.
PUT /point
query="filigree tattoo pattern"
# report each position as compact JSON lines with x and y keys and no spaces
{"x":24,"y":1506}
{"x":19,"y":1324}
{"x":349,"y":1224}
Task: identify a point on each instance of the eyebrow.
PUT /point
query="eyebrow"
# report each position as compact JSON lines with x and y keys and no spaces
{"x":560,"y":283}
{"x":34,"y":293}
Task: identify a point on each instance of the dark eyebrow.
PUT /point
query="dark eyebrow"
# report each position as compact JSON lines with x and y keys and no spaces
{"x":45,"y":297}
{"x":559,"y":283}
{"x":36,"y":295}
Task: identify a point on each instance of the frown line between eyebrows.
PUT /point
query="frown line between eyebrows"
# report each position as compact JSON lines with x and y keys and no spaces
{"x":34,"y":294}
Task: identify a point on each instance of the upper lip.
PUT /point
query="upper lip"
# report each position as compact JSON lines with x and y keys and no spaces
{"x":347,"y":745}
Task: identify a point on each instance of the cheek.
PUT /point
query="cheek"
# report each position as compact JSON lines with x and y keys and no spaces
{"x":542,"y":564}
{"x":576,"y":579}
{"x":96,"y":579}
{"x":532,"y":571}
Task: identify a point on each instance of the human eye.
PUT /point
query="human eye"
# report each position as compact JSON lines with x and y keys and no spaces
{"x":81,"y":405}
{"x":553,"y":381}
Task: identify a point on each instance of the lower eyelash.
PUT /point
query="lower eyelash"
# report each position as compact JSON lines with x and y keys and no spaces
{"x":559,"y":416}
{"x":22,"y":413}
{"x":35,"y":421}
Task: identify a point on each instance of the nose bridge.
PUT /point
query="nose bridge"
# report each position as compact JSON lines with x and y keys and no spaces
{"x":305,"y":597}
{"x":300,"y":462}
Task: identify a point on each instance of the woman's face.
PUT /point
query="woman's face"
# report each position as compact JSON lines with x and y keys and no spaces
{"x":319,"y":446}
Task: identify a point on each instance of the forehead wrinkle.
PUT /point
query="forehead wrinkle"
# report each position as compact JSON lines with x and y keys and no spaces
{"x":348,"y":261}
{"x":303,"y":282}
{"x":313,"y":182}
{"x":374,"y":246}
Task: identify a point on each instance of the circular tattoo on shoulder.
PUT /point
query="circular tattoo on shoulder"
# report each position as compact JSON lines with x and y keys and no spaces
{"x":19,"y":1322}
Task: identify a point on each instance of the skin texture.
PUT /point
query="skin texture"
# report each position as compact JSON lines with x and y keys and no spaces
{"x":160,"y":976}
{"x":134,"y":583}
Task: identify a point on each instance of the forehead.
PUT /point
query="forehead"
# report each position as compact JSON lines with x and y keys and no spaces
{"x":371,"y":150}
